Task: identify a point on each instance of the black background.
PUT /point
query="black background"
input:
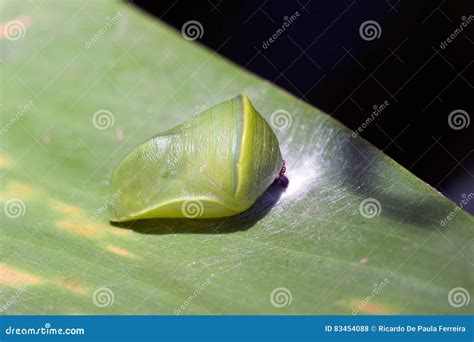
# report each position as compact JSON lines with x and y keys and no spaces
{"x":322,"y":59}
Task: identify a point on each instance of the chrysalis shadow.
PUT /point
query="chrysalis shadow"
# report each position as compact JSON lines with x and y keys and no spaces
{"x":230,"y":224}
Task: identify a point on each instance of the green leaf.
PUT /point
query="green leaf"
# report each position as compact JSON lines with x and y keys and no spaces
{"x":60,"y":255}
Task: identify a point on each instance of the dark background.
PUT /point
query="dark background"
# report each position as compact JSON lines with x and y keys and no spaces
{"x":322,"y":59}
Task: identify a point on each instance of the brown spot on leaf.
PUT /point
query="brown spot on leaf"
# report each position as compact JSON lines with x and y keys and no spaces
{"x":73,"y":285}
{"x":66,"y":209}
{"x":80,"y":228}
{"x":361,"y":305}
{"x":15,"y":278}
{"x":4,"y":161}
{"x":120,"y":251}
{"x":17,"y":190}
{"x":87,"y":228}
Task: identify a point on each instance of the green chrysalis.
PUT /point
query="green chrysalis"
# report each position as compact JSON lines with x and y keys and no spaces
{"x":214,"y":165}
